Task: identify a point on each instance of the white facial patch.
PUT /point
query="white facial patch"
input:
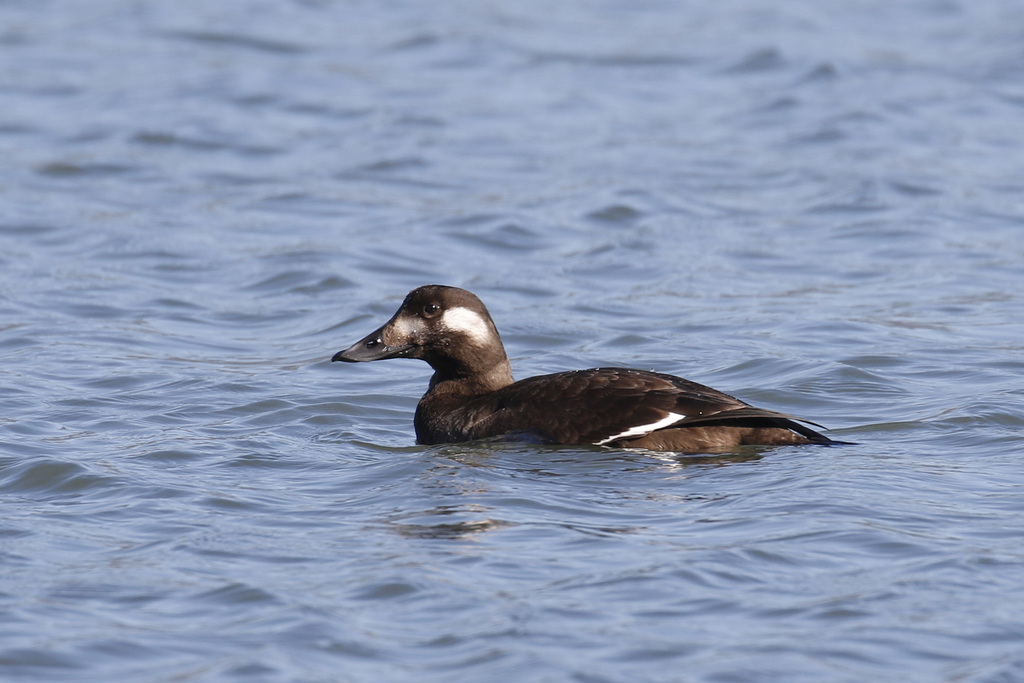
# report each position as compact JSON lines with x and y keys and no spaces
{"x":469,"y":323}
{"x":640,"y":430}
{"x":400,"y":331}
{"x":404,"y":326}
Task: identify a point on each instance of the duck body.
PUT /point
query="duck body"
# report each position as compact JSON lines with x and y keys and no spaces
{"x":472,"y":394}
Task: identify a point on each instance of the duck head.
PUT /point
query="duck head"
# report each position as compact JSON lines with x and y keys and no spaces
{"x":447,"y":327}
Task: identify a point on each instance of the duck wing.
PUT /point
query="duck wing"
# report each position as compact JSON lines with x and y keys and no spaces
{"x":603,"y":405}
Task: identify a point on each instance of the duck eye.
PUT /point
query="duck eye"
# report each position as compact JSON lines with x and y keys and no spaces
{"x":430,"y":309}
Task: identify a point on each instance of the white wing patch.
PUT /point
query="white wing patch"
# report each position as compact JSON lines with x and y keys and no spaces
{"x":640,"y":430}
{"x":469,"y":323}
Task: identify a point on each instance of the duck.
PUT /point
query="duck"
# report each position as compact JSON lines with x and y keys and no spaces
{"x":472,"y":395}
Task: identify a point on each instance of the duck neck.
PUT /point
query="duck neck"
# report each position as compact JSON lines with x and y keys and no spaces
{"x":480,"y":378}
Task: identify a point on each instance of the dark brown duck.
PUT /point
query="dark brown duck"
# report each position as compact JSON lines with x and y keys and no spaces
{"x":472,"y":394}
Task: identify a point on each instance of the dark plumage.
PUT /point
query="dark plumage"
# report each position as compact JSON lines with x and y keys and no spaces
{"x":472,"y":394}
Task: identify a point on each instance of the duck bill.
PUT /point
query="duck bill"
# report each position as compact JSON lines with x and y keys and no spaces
{"x":372,"y":347}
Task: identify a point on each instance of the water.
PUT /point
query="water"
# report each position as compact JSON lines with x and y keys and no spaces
{"x":815,"y":206}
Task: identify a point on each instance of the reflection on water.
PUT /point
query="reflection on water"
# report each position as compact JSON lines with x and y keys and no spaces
{"x":439,"y":523}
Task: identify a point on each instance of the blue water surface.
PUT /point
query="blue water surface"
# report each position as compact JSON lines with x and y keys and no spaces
{"x":815,"y":206}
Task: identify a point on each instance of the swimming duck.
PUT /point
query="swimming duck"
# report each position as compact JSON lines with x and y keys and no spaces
{"x":472,"y":394}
